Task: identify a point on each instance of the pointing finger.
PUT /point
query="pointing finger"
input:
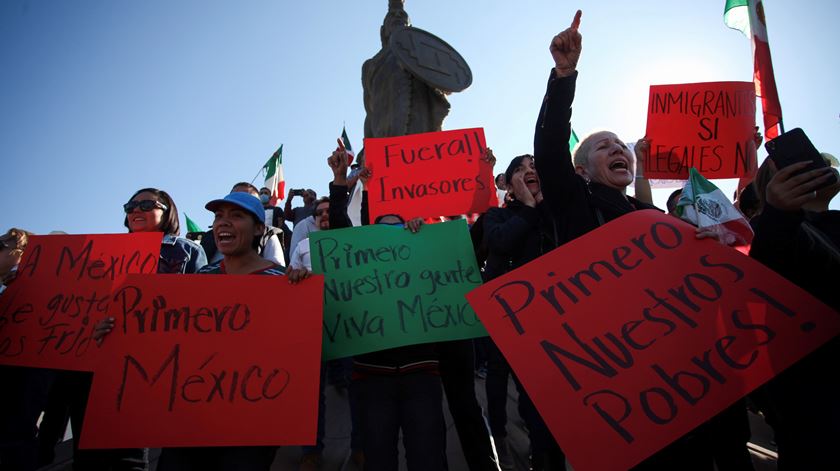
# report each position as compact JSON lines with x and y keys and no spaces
{"x":576,"y":21}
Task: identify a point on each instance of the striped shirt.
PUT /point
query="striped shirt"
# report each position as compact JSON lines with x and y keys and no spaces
{"x":218,"y":268}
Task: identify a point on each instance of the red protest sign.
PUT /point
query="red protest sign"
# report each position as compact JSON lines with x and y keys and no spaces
{"x":429,"y":175}
{"x":62,"y":289}
{"x":638,"y":332}
{"x":201,"y":360}
{"x":708,"y":126}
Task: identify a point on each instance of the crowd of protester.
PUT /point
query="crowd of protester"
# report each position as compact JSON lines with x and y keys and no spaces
{"x":546,"y":200}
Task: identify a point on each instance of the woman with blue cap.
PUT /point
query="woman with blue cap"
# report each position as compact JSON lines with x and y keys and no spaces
{"x":237,"y":228}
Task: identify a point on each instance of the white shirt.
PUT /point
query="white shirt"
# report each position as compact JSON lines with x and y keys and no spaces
{"x":302,"y":230}
{"x":273,"y":251}
{"x":300,"y":256}
{"x":500,"y":194}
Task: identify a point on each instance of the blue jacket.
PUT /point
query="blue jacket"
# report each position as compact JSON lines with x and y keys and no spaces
{"x":180,"y":255}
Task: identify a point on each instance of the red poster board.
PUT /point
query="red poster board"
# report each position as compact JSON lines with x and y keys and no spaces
{"x":62,"y":289}
{"x":429,"y":175}
{"x":637,"y":332}
{"x":708,"y":126}
{"x":202,"y":360}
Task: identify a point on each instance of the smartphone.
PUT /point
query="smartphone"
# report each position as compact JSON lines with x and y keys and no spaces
{"x":794,"y":146}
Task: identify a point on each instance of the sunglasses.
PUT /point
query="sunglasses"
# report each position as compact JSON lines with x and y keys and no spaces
{"x":144,"y":205}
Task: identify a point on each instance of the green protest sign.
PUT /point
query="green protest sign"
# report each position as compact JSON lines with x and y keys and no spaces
{"x":385,"y":287}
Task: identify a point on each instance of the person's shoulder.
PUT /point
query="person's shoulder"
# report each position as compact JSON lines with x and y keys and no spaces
{"x":211,"y":269}
{"x":181,"y":241}
{"x":190,"y":243}
{"x":642,"y":205}
{"x":504,"y":212}
{"x":496,"y":211}
{"x":275,"y":270}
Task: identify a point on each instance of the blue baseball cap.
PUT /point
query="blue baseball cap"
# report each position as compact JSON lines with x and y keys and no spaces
{"x":246,"y":201}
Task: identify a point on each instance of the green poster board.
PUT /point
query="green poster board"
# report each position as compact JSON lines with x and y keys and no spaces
{"x":385,"y":287}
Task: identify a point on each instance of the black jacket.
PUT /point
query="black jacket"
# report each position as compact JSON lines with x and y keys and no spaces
{"x":515,"y":235}
{"x":576,"y":205}
{"x":804,"y":247}
{"x":807,"y":258}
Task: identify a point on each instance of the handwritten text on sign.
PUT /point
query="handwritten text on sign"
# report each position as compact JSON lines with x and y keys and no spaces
{"x":201,"y":360}
{"x":429,"y":175}
{"x":63,"y":287}
{"x":708,"y":126}
{"x":638,"y":332}
{"x":385,"y":287}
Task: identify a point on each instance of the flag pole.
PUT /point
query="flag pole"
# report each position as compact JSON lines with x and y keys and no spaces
{"x":257,"y":175}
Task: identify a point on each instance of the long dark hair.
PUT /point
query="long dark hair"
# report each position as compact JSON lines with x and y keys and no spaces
{"x":169,"y":224}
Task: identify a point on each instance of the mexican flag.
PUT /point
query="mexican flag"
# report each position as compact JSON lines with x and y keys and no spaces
{"x":705,"y":206}
{"x":747,"y":16}
{"x":346,"y":141}
{"x":274,"y":180}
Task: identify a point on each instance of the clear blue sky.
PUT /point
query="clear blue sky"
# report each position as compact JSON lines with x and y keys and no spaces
{"x":99,"y":98}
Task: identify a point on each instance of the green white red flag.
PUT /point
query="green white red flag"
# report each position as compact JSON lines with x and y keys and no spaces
{"x":705,"y":206}
{"x":274,"y":179}
{"x":346,"y":141}
{"x":573,"y":141}
{"x":747,"y":16}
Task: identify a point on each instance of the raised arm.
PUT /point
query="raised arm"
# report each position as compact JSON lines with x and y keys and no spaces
{"x":551,"y":137}
{"x":339,"y":196}
{"x":641,"y":185}
{"x":365,"y":175}
{"x":288,"y":214}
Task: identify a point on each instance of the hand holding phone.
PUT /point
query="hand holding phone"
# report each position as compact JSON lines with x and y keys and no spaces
{"x":794,"y":146}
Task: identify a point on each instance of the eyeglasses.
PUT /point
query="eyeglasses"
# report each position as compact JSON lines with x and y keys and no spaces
{"x":144,"y":205}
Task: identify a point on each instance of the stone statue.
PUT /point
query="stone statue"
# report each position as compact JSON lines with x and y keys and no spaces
{"x":405,"y":84}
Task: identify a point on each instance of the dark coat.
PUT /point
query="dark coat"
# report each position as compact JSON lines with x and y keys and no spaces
{"x":804,"y":247}
{"x":515,"y":235}
{"x":577,"y":206}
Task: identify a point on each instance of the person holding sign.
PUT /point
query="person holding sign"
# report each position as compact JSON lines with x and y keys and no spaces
{"x":455,"y":358}
{"x":148,"y":210}
{"x":237,"y":229}
{"x":589,"y":190}
{"x":397,"y":389}
{"x":24,"y":392}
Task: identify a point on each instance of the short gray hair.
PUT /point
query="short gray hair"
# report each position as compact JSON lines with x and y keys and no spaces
{"x":580,"y":155}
